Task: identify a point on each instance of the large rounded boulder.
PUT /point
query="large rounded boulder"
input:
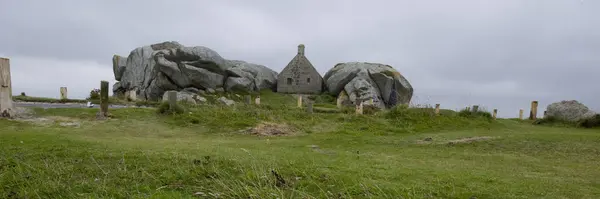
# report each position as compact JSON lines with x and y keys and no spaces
{"x":569,"y":110}
{"x":363,"y":82}
{"x":150,"y":71}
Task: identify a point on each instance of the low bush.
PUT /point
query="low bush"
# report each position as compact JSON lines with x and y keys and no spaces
{"x":590,"y":122}
{"x":165,"y":109}
{"x":480,"y":113}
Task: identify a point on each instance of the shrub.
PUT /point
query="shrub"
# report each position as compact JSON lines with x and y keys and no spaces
{"x":324,"y":98}
{"x":480,"y":113}
{"x":165,"y":109}
{"x":590,"y":122}
{"x":23,"y":94}
{"x":94,"y":94}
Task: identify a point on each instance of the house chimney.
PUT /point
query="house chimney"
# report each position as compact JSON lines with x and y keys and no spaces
{"x":301,"y":49}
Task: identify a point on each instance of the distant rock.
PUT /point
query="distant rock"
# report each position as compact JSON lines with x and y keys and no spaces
{"x":569,"y":110}
{"x":192,"y":90}
{"x":150,"y":71}
{"x":363,"y":81}
{"x":210,"y":91}
{"x":226,"y":101}
{"x":186,"y":97}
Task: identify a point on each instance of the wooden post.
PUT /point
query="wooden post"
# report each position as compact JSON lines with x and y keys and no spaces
{"x":248,"y":99}
{"x":299,"y":101}
{"x":521,"y":114}
{"x":6,"y":103}
{"x":63,"y":93}
{"x":309,"y":107}
{"x":257,"y":100}
{"x":437,"y":109}
{"x":495,"y":113}
{"x":475,"y":108}
{"x":104,"y":98}
{"x":533,"y":111}
{"x":359,"y":108}
{"x":172,"y":97}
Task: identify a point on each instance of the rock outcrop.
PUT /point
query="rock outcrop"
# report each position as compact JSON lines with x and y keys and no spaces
{"x":151,"y":70}
{"x":364,"y":81}
{"x":569,"y":110}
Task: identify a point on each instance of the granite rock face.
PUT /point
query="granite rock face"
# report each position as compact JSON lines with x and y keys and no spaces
{"x":363,"y":81}
{"x":569,"y":110}
{"x":150,"y":71}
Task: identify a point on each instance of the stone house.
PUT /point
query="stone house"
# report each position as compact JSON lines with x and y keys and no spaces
{"x":300,"y":76}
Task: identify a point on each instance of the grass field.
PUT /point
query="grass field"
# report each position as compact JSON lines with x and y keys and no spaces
{"x":202,"y":153}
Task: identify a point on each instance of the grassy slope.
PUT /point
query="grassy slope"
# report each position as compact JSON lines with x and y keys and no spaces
{"x":141,"y":154}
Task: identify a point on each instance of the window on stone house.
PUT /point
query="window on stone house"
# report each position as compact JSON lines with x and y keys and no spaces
{"x":289,"y":81}
{"x":308,"y":80}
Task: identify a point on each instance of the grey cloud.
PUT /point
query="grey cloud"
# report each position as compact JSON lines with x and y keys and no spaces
{"x":499,"y":53}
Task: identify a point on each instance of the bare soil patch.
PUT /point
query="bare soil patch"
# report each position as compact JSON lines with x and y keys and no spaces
{"x":470,"y":139}
{"x":271,"y":129}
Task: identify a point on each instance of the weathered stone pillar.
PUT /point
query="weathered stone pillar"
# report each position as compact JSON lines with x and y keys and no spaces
{"x":533,"y":111}
{"x":309,"y":107}
{"x":104,"y":98}
{"x":248,"y":99}
{"x":521,"y":114}
{"x":495,"y":113}
{"x":63,"y":93}
{"x":437,"y":109}
{"x":359,"y":108}
{"x":6,"y":103}
{"x":299,"y":101}
{"x":172,"y":97}
{"x":257,"y":100}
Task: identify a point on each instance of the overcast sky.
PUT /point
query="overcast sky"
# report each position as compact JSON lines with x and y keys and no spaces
{"x":498,"y":53}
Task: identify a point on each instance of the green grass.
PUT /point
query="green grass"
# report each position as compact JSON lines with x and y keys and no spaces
{"x":142,"y":154}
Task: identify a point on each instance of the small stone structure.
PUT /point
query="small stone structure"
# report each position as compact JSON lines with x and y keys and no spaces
{"x":6,"y":103}
{"x":63,"y":93}
{"x":300,"y":76}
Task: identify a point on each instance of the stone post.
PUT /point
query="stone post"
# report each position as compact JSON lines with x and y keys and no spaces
{"x":104,"y":98}
{"x":437,"y":109}
{"x":521,"y":114}
{"x":359,"y":108}
{"x":63,"y":93}
{"x":545,"y":113}
{"x":475,"y":108}
{"x":299,"y":101}
{"x":257,"y":100}
{"x":172,"y":97}
{"x":495,"y":113}
{"x":533,"y":111}
{"x":309,"y":107}
{"x":248,"y":99}
{"x":6,"y":103}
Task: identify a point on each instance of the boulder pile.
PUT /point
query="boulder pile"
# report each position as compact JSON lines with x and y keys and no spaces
{"x":569,"y":110}
{"x":356,"y":82}
{"x":151,"y":70}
